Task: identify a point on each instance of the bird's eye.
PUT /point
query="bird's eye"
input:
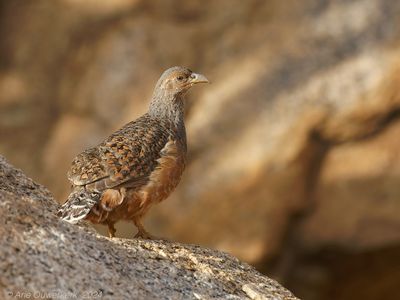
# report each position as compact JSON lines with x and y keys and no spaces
{"x":180,"y":78}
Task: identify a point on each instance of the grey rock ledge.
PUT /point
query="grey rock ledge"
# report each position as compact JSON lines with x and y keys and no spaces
{"x":44,"y":257}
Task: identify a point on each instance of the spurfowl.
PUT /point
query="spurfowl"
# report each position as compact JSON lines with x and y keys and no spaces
{"x":137,"y":166}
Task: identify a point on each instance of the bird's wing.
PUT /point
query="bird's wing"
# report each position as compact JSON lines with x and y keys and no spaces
{"x":126,"y":158}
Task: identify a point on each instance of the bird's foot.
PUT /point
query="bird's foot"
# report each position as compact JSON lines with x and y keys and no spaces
{"x":144,"y":235}
{"x":148,"y":236}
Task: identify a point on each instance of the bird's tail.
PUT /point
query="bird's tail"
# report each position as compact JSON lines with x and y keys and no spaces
{"x":78,"y":205}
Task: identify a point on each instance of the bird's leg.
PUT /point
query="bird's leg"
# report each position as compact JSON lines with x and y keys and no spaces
{"x":111,"y":230}
{"x":142,"y":233}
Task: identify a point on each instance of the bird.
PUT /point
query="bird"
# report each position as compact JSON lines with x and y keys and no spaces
{"x":137,"y":166}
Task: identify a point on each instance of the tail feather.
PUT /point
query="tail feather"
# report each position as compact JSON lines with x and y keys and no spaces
{"x":78,"y":205}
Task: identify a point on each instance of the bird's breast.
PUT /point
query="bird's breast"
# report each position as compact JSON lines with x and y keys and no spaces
{"x":162,"y":181}
{"x":166,"y":176}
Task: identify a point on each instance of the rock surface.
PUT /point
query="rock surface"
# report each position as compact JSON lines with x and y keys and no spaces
{"x":44,"y":257}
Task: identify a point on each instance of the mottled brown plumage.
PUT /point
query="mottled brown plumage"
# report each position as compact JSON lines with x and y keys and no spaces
{"x":138,"y":165}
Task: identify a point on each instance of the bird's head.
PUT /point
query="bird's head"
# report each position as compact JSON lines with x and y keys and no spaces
{"x":178,"y":80}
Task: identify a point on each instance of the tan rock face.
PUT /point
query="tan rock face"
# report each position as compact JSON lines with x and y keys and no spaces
{"x":44,"y":257}
{"x":358,"y":205}
{"x":292,"y":148}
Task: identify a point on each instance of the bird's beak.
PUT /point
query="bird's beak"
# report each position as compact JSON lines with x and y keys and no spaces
{"x":198,"y":78}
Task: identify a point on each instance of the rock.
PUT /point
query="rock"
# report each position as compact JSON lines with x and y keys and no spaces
{"x":373,"y":219}
{"x":45,"y":257}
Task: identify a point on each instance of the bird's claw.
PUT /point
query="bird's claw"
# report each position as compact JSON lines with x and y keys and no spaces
{"x":144,"y":235}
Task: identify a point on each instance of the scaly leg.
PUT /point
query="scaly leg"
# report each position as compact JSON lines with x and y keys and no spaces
{"x":111,"y":230}
{"x":142,"y":233}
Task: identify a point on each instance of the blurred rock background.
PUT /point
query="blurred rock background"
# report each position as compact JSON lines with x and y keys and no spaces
{"x":294,"y":150}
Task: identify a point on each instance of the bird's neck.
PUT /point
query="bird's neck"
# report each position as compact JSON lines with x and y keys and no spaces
{"x":168,"y":108}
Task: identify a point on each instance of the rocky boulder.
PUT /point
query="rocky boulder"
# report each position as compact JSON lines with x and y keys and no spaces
{"x":44,"y":257}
